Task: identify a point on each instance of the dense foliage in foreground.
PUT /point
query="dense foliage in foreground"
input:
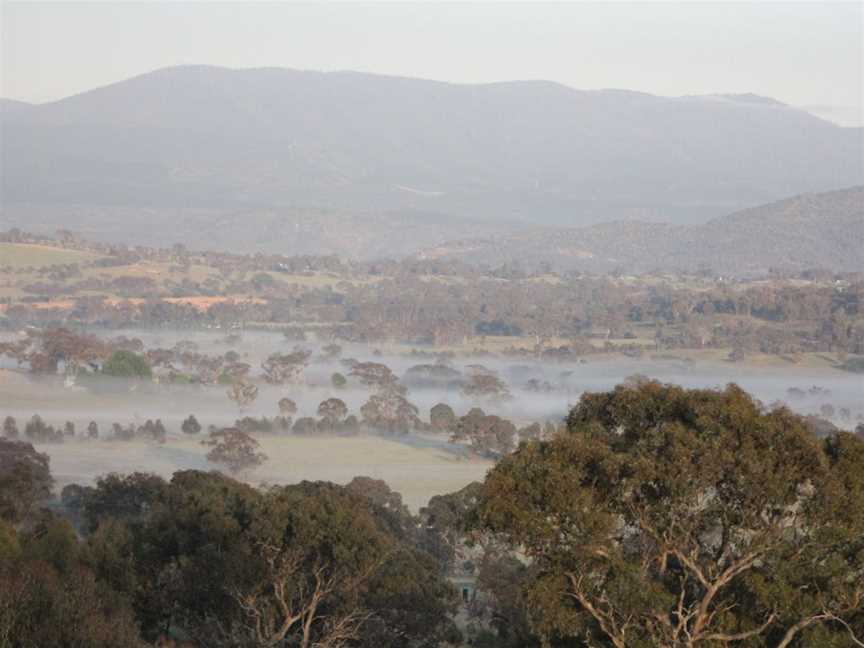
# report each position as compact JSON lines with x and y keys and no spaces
{"x":210,"y":560}
{"x":675,"y":518}
{"x":659,"y":517}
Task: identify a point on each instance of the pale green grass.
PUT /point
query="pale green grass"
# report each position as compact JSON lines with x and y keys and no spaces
{"x":415,"y":469}
{"x":21,"y":255}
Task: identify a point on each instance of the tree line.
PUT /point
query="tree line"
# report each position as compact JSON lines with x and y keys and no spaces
{"x":436,"y":303}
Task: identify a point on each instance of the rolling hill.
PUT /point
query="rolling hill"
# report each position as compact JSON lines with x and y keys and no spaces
{"x":824,"y":230}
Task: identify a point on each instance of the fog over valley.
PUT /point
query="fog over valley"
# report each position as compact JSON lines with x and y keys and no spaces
{"x":417,"y":463}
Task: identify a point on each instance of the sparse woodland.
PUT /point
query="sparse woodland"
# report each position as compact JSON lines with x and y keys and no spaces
{"x":436,"y":303}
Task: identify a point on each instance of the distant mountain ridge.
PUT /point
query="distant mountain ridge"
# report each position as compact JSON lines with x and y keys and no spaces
{"x":10,"y":107}
{"x":808,"y":231}
{"x":206,"y":138}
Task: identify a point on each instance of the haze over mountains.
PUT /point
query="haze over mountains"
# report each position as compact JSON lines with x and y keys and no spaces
{"x":366,"y":165}
{"x":805,"y":232}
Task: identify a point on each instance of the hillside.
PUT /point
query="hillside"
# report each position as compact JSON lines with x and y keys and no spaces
{"x":290,"y":231}
{"x":823,"y":230}
{"x":262,"y":140}
{"x":21,"y":255}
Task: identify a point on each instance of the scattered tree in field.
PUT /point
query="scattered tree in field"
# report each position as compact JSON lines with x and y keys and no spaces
{"x":10,"y":428}
{"x":686,"y":518}
{"x":25,"y":480}
{"x":235,"y":450}
{"x":126,"y":364}
{"x":191,"y":425}
{"x":118,"y":433}
{"x":243,"y":393}
{"x":69,"y":429}
{"x":92,"y":430}
{"x":280,"y":368}
{"x":442,"y":418}
{"x":263,"y":425}
{"x":338,"y":380}
{"x":55,"y":345}
{"x":389,"y":410}
{"x":236,"y":371}
{"x":482,"y":383}
{"x":150,"y":431}
{"x":38,"y":431}
{"x":487,"y":434}
{"x":305,"y":425}
{"x":432,"y":376}
{"x":332,"y":411}
{"x":287,"y":407}
{"x":374,"y":374}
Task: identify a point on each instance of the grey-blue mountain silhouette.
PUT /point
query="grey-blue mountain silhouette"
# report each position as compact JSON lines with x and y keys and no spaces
{"x":208,"y":138}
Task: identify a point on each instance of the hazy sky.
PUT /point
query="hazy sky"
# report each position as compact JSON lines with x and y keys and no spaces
{"x":801,"y":53}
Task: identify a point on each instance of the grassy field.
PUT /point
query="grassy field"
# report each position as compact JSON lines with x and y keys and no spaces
{"x":413,"y":466}
{"x":21,"y":255}
{"x":156,"y":271}
{"x":418,"y":466}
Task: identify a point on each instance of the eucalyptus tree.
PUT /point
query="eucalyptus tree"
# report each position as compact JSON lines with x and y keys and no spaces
{"x":677,"y":518}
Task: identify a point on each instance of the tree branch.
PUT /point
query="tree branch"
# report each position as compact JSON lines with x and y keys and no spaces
{"x":604,"y":619}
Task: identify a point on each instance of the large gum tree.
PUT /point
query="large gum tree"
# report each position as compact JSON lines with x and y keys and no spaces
{"x":677,"y":518}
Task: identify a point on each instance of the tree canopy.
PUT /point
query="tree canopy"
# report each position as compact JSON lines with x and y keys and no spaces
{"x":126,"y":364}
{"x":681,"y":518}
{"x":25,"y":480}
{"x":305,"y":565}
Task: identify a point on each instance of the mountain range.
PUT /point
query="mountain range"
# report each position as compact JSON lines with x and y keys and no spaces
{"x":361,"y":165}
{"x":198,"y":137}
